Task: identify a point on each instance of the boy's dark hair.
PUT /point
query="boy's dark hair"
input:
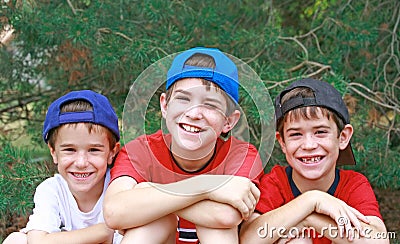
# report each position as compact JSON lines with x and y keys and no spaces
{"x":308,"y":112}
{"x":80,"y":106}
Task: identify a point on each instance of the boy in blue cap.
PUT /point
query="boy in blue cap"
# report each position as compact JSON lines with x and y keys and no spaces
{"x":189,"y":184}
{"x":311,"y":199}
{"x":81,"y":131}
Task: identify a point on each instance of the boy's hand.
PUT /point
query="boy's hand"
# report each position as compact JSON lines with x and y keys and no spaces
{"x":345,"y":216}
{"x":239,"y":192}
{"x":109,"y":233}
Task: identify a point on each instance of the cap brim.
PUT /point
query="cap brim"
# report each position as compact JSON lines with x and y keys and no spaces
{"x":346,"y":156}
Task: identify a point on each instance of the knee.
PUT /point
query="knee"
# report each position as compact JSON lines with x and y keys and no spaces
{"x":169,"y":222}
{"x":228,"y":217}
{"x":165,"y":228}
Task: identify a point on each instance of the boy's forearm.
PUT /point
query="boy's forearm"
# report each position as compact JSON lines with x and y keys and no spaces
{"x":273,"y":225}
{"x":136,"y":207}
{"x":211,"y":214}
{"x":327,"y":227}
{"x":98,"y":233}
{"x":129,"y":206}
{"x":157,"y":199}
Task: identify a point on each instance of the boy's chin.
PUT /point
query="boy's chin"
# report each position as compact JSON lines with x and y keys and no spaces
{"x":191,"y":152}
{"x":314,"y":173}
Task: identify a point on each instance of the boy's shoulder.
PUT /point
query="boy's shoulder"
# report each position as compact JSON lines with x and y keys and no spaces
{"x":350,"y":172}
{"x":233,"y":141}
{"x":355,"y":190}
{"x":278,"y":171}
{"x":277,"y":176}
{"x":155,"y":137}
{"x":53,"y":181}
{"x":52,"y":186}
{"x":352,"y":178}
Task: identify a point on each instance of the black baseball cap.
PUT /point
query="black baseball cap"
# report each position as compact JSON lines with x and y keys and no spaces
{"x":325,"y":96}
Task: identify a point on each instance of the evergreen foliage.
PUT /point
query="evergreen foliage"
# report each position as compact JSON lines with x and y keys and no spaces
{"x":59,"y":46}
{"x":19,"y":176}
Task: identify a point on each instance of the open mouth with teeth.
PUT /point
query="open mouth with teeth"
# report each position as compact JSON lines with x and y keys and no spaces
{"x":311,"y":160}
{"x":81,"y":175}
{"x":190,"y":128}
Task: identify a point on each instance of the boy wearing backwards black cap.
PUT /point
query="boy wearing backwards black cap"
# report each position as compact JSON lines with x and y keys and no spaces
{"x":81,"y":130}
{"x":311,"y":196}
{"x":199,"y":182}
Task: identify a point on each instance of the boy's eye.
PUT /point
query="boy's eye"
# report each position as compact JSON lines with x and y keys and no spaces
{"x":294,"y":134}
{"x":94,"y":150}
{"x":321,"y":132}
{"x":182,"y":98}
{"x":68,"y":149}
{"x":211,"y":105}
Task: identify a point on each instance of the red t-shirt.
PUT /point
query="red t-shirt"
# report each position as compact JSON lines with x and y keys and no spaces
{"x":277,"y":188}
{"x":148,"y":159}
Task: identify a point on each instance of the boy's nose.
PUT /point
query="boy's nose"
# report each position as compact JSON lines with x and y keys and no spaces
{"x":195,"y":112}
{"x":309,"y":142}
{"x":82,"y":160}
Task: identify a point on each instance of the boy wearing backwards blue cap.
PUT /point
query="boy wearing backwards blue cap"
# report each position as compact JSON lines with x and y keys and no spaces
{"x":189,"y":179}
{"x":81,"y":130}
{"x":311,"y":197}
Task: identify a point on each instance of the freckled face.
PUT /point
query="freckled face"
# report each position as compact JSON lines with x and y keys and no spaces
{"x":311,"y":146}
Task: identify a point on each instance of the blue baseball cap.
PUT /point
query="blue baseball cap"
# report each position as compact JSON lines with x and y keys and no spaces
{"x":225,"y":73}
{"x":102,"y":114}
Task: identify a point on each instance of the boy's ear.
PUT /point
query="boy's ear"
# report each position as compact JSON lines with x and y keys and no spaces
{"x":53,"y":154}
{"x":231,"y":121}
{"x":281,"y":141}
{"x":114,"y":153}
{"x":345,"y":136}
{"x":163,"y":104}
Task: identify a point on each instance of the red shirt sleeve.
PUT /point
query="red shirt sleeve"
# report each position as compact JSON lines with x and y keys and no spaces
{"x":275,"y":190}
{"x":124,"y":166}
{"x":355,"y":189}
{"x":252,"y":167}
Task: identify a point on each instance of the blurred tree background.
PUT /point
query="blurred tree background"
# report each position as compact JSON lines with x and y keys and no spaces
{"x":51,"y":47}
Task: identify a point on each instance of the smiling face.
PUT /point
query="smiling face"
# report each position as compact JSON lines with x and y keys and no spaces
{"x":195,"y":117}
{"x":311,"y":147}
{"x":82,"y":156}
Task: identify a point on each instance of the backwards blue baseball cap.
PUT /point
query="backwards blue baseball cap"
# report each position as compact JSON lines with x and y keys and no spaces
{"x":102,"y":114}
{"x":225,"y":73}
